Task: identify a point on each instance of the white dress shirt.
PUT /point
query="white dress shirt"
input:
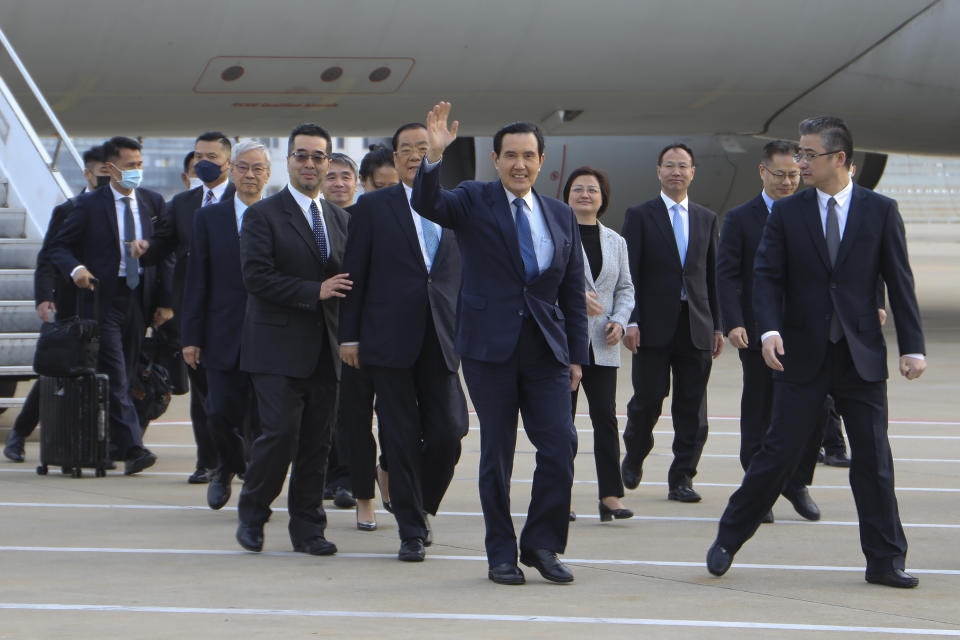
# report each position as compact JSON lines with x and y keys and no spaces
{"x":418,"y":222}
{"x":767,"y":200}
{"x":843,"y":207}
{"x":239,"y":208}
{"x":121,"y":229}
{"x":217,"y":193}
{"x":304,"y":203}
{"x":684,"y":214}
{"x":542,"y":240}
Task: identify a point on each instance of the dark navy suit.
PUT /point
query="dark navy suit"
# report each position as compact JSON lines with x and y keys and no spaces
{"x":796,"y":292}
{"x":516,"y":341}
{"x":214,"y":303}
{"x":403,"y":317}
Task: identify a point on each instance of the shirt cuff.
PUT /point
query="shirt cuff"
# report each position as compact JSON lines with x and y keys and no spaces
{"x":633,"y":324}
{"x":349,"y":344}
{"x":766,"y":335}
{"x":430,"y":166}
{"x":918,"y":356}
{"x":75,"y":269}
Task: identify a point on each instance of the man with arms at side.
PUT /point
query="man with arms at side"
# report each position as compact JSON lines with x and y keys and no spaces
{"x":675,"y":326}
{"x":291,"y":249}
{"x":815,"y":300}
{"x":214,"y":303}
{"x":398,"y":323}
{"x":521,"y":334}
{"x":94,"y":242}
{"x":739,"y":238}
{"x":173,"y":236}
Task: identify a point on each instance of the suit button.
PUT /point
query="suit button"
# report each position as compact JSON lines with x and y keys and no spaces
{"x":520,"y":313}
{"x":524,"y":289}
{"x":429,"y":280}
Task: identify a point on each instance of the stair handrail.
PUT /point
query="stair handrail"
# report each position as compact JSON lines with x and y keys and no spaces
{"x":63,"y":138}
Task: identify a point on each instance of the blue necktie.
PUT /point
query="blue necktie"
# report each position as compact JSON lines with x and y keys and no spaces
{"x":318,"y":230}
{"x":678,"y":234}
{"x":131,"y":264}
{"x":430,"y":238}
{"x":527,"y":254}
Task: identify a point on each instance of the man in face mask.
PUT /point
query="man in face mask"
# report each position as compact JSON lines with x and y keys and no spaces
{"x":173,"y":235}
{"x":189,"y":176}
{"x":94,"y":242}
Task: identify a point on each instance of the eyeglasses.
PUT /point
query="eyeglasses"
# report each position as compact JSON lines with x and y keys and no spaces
{"x":302,"y":156}
{"x":258,"y":169}
{"x":808,"y":156}
{"x":780,"y":175}
{"x":579,"y":189}
{"x":406,"y":152}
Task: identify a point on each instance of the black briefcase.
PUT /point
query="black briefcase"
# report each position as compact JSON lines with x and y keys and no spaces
{"x":70,"y":347}
{"x":150,"y":387}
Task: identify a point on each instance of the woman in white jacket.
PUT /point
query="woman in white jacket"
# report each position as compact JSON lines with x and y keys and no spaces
{"x":609,"y":291}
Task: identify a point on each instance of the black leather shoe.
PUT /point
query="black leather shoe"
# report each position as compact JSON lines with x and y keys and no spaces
{"x":506,"y":573}
{"x":548,"y":564}
{"x":767,"y":517}
{"x":836,"y":459}
{"x":607,"y":514}
{"x":250,"y":537}
{"x":137,"y":463}
{"x":13,"y":449}
{"x":718,"y":560}
{"x":427,"y":541}
{"x":218,"y":491}
{"x":820,"y":455}
{"x":201,"y":476}
{"x":804,"y":504}
{"x":893,"y":578}
{"x":344,"y":499}
{"x":411,"y":550}
{"x":683,"y":493}
{"x":631,"y":475}
{"x":318,"y":546}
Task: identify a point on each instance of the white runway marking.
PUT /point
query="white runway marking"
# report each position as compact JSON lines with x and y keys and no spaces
{"x":457,"y":558}
{"x":665,"y":416}
{"x":483,"y":617}
{"x":462,"y":514}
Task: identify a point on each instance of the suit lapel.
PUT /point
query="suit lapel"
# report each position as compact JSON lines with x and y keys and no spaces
{"x":145,"y":208}
{"x":404,"y":219}
{"x":110,"y":209}
{"x":336,"y":239}
{"x":553,"y":226}
{"x":661,"y":219}
{"x":811,"y":215}
{"x":695,"y":235}
{"x":854,"y":218}
{"x":503,"y":216}
{"x":299,"y":223}
{"x":760,"y":215}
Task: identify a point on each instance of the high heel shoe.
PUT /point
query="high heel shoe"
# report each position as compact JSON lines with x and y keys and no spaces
{"x":607,"y":514}
{"x":386,"y":503}
{"x":366,"y":525}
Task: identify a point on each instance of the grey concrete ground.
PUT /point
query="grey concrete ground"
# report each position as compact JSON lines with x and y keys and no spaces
{"x":143,"y":556}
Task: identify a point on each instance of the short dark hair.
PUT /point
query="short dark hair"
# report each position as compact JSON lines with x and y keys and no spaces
{"x":601,"y":178}
{"x":345,"y":160}
{"x":187,"y":159}
{"x":310,"y":129}
{"x":779,"y":148}
{"x":405,"y":127}
{"x":215,"y":136}
{"x":378,"y":156}
{"x":677,"y":145}
{"x":111,"y":148}
{"x":94,"y":155}
{"x":833,"y":133}
{"x":518,"y":127}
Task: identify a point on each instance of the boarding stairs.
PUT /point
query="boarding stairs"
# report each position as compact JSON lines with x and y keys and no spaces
{"x":31,"y":184}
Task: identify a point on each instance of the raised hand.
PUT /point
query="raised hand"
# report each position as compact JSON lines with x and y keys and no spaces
{"x":439,"y":134}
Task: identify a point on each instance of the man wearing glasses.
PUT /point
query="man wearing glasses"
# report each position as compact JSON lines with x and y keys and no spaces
{"x":291,"y":249}
{"x":815,"y":300}
{"x":214,"y":302}
{"x":739,"y":238}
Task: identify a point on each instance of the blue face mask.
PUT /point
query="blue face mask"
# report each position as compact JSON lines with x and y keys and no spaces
{"x":207,"y":171}
{"x":131,"y":178}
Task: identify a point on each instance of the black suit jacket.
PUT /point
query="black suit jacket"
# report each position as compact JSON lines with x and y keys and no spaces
{"x":285,"y":322}
{"x":90,"y":236}
{"x":658,"y":274}
{"x":739,"y":239}
{"x":214,"y":297}
{"x":173,"y":235}
{"x":796,"y":290}
{"x":392,"y":291}
{"x":48,"y":284}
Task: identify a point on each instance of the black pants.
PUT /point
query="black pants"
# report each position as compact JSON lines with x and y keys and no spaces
{"x":206,"y":445}
{"x":833,"y":429}
{"x":121,"y":334}
{"x":296,"y":416}
{"x":600,"y":386}
{"x":29,"y":416}
{"x":426,"y":417}
{"x":756,"y":405}
{"x":796,"y":409}
{"x":230,"y":403}
{"x":355,"y":425}
{"x":651,"y":384}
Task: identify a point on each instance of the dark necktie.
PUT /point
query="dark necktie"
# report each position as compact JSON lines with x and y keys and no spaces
{"x":833,"y":247}
{"x":530,"y":267}
{"x":318,"y":230}
{"x":131,"y":264}
{"x":207,"y":201}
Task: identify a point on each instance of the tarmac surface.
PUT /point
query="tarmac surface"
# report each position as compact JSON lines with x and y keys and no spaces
{"x":144,"y":557}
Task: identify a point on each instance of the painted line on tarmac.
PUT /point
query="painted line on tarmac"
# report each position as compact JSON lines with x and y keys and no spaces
{"x":454,"y":558}
{"x":476,"y":617}
{"x":459,"y":514}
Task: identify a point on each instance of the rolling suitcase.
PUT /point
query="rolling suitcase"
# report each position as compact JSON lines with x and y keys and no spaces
{"x":74,"y":431}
